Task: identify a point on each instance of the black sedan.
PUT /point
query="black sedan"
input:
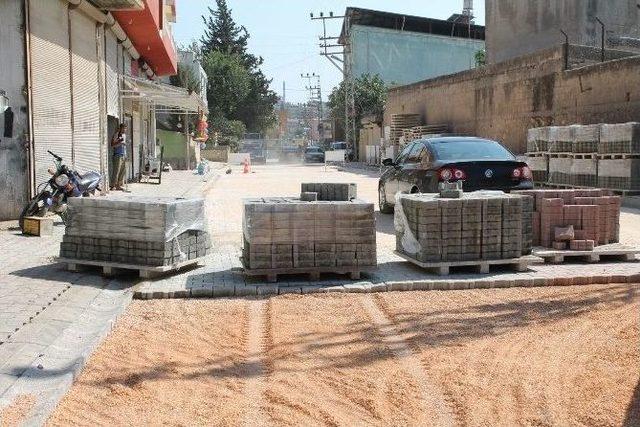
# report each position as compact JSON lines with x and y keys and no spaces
{"x":313,"y":155}
{"x":480,"y":164}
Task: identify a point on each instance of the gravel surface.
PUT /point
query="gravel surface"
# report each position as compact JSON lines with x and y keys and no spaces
{"x":538,"y":356}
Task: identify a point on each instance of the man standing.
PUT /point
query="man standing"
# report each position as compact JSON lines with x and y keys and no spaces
{"x":119,"y":145}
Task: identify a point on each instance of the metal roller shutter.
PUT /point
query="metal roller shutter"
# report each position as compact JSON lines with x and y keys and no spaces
{"x":111,"y":53}
{"x":85,"y":93}
{"x":51,"y":87}
{"x":136,"y":147}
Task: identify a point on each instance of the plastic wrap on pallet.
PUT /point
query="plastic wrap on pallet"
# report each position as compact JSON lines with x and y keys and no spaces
{"x":149,"y":219}
{"x":401,"y":224}
{"x":136,"y":230}
{"x":620,"y":138}
{"x":538,"y":140}
{"x":586,"y":138}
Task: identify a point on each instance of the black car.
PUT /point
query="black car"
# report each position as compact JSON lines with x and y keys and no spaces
{"x":480,"y":164}
{"x":313,"y":155}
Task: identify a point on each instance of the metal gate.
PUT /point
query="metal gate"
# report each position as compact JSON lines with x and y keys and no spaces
{"x":85,"y":93}
{"x":113,"y":88}
{"x":50,"y":87}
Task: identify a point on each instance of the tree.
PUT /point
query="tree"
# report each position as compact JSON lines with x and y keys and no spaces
{"x":230,"y":83}
{"x":221,"y":33}
{"x":188,"y":80}
{"x":253,"y":103}
{"x":370,"y":97}
{"x":481,"y":58}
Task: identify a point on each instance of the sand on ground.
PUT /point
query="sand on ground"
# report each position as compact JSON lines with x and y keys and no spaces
{"x":14,"y":414}
{"x":524,"y":356}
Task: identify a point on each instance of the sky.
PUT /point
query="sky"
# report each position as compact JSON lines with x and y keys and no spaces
{"x":284,"y":35}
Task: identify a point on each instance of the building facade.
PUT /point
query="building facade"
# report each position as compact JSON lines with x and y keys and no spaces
{"x":516,"y":28}
{"x":502,"y":101}
{"x":405,"y":49}
{"x":70,"y":63}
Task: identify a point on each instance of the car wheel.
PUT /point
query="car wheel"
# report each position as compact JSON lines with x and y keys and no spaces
{"x":385,"y":208}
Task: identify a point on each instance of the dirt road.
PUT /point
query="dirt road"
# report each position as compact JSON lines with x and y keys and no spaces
{"x":542,"y":356}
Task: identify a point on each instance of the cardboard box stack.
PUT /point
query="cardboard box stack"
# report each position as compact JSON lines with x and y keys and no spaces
{"x":593,"y":215}
{"x":141,"y":231}
{"x":478,"y":226}
{"x":287,"y":233}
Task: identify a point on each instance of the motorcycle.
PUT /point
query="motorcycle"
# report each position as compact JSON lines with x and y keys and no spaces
{"x":52,"y":195}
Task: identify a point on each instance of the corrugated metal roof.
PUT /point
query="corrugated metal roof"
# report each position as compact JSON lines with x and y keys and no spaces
{"x":118,"y":4}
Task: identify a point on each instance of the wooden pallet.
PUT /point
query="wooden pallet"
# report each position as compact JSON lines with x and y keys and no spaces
{"x":314,"y":273}
{"x":481,"y":266}
{"x":614,"y":251}
{"x":615,"y":191}
{"x":114,"y":268}
{"x":619,"y":156}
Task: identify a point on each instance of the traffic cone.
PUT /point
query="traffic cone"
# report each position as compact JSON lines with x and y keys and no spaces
{"x":246,"y":166}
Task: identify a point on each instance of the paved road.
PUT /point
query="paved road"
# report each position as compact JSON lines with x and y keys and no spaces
{"x":51,"y":319}
{"x":221,"y":275}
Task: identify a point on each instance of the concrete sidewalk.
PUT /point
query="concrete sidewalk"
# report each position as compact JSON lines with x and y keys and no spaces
{"x":50,"y":319}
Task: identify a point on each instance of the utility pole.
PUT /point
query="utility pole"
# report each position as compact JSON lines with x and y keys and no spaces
{"x":315,"y":93}
{"x":338,"y":51}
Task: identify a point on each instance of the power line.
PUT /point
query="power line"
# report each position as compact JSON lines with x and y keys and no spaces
{"x":337,"y":49}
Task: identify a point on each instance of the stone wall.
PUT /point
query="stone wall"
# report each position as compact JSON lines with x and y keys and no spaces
{"x":504,"y":100}
{"x":14,"y":153}
{"x":516,"y":28}
{"x":216,"y":154}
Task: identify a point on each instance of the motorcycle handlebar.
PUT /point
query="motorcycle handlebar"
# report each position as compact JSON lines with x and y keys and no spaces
{"x":58,"y":158}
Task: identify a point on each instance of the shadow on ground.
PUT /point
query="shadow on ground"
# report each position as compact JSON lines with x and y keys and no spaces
{"x":453,"y":327}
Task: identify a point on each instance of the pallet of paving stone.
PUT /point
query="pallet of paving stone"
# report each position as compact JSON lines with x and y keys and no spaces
{"x":110,"y":269}
{"x":313,"y":273}
{"x":611,"y":252}
{"x":331,"y":191}
{"x":519,"y":264}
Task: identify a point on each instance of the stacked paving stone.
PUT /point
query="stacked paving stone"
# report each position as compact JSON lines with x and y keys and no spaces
{"x":478,"y":226}
{"x":332,"y":191}
{"x":135,"y":230}
{"x":287,"y":233}
{"x":599,"y":155}
{"x":593,"y":214}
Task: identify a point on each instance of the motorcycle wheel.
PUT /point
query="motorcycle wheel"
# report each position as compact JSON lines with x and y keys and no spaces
{"x":32,"y":209}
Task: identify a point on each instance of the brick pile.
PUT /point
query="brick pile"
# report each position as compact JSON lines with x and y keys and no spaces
{"x":135,"y":231}
{"x":287,"y":233}
{"x":478,"y":226}
{"x":593,"y":215}
{"x":332,"y":191}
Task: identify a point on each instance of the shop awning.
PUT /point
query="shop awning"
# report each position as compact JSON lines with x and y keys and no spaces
{"x":162,"y":97}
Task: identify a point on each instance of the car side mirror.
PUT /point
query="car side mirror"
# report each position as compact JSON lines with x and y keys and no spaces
{"x":388,"y":162}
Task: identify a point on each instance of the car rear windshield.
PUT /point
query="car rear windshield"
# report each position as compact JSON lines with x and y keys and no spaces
{"x":477,"y":149}
{"x":314,"y":150}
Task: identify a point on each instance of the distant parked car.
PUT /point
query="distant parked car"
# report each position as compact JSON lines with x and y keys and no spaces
{"x":481,"y":164}
{"x":313,"y":155}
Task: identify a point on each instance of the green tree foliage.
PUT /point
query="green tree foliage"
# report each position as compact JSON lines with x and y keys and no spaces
{"x":370,"y":97}
{"x":481,"y":58}
{"x":238,"y":90}
{"x":187,"y":79}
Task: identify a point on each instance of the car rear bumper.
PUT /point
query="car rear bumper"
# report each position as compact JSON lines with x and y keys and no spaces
{"x":524,"y":185}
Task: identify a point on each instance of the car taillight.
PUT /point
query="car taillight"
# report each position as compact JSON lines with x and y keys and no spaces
{"x":520,"y":173}
{"x":448,"y":174}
